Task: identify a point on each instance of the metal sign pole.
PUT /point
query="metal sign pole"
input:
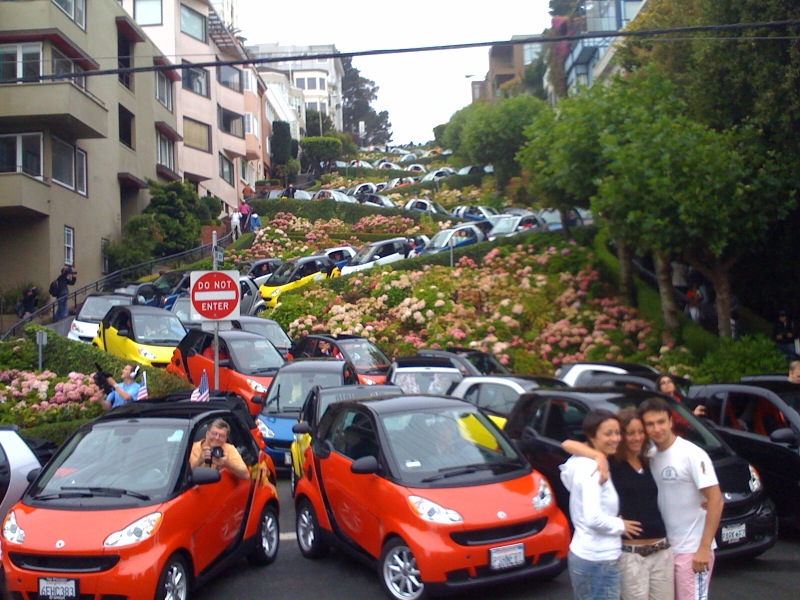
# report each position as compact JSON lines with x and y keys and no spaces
{"x":214,"y":265}
{"x":216,"y":355}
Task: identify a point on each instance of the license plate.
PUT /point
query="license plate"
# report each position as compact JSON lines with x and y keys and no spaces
{"x":506,"y":557}
{"x":287,"y":459}
{"x":53,"y":588}
{"x":734,"y":533}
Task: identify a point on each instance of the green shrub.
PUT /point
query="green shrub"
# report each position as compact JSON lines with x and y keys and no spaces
{"x":749,"y":355}
{"x":55,"y":432}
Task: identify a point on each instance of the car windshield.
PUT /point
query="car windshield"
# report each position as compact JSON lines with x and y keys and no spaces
{"x":282,"y":275}
{"x":288,"y":390}
{"x":363,"y":256}
{"x":448,"y":447}
{"x":182,"y":308}
{"x":550,"y":216}
{"x":114,"y":464}
{"x":158,"y":330}
{"x":168,"y":281}
{"x":413,"y":381}
{"x":439,"y":209}
{"x":96,"y":307}
{"x":365,"y":356}
{"x":505,"y":226}
{"x":255,"y":357}
{"x":489,"y":210}
{"x":486,"y":363}
{"x":270,"y":330}
{"x":791,"y":398}
{"x":440,"y":239}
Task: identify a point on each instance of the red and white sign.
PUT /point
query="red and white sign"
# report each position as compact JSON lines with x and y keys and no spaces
{"x":215,"y":295}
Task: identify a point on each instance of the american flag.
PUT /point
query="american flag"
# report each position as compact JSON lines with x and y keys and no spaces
{"x":142,"y":395}
{"x":200,"y":394}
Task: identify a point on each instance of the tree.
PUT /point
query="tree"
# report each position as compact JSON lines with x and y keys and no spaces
{"x":175,"y":208}
{"x":139,"y":237}
{"x":281,"y":142}
{"x":358,"y":94}
{"x":318,"y":150}
{"x":313,"y":120}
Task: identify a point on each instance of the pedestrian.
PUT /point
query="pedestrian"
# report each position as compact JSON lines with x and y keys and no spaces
{"x":244,"y":211}
{"x":63,"y":281}
{"x":666,"y":385}
{"x":125,"y":392}
{"x":783,"y":334}
{"x":236,"y":219}
{"x":689,"y":499}
{"x":694,"y":298}
{"x":595,"y":549}
{"x":289,"y":191}
{"x":27,"y":303}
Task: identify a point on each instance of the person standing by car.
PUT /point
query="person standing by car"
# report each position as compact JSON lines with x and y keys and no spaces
{"x":689,"y":499}
{"x":215,"y":452}
{"x":64,"y":280}
{"x":666,"y":385}
{"x":594,"y":551}
{"x":122,"y":393}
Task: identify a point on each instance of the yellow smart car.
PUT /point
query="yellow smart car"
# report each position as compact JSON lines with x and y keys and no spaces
{"x":142,"y":334}
{"x":295,"y":273}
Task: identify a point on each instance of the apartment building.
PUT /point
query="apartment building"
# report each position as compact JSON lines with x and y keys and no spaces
{"x":220,"y":108}
{"x":76,"y":152}
{"x":507,"y":64}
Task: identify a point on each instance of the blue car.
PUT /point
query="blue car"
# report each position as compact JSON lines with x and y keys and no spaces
{"x":462,"y":235}
{"x":286,"y":395}
{"x":170,"y":285}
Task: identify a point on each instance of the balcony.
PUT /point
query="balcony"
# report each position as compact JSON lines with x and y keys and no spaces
{"x":76,"y":115}
{"x":23,"y":196}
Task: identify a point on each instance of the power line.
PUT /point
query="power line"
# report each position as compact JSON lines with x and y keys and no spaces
{"x":537,"y":39}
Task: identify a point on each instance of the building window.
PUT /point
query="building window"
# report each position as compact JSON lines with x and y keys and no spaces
{"x":165,"y":151}
{"x":251,"y":124}
{"x":323,"y":108}
{"x":64,"y":66}
{"x":18,"y":61}
{"x":164,"y":90}
{"x":322,"y":83}
{"x":21,"y":153}
{"x":69,"y":166}
{"x":126,"y":122}
{"x":230,"y":77}
{"x":125,"y":60}
{"x":105,"y":267}
{"x":74,"y":9}
{"x":196,"y":134}
{"x":69,"y":246}
{"x":243,"y":170}
{"x":300,"y":82}
{"x":248,"y":83}
{"x":312,"y":83}
{"x":147,"y":12}
{"x":311,"y":106}
{"x":231,"y":122}
{"x":193,"y":23}
{"x":195,"y":79}
{"x":225,"y":169}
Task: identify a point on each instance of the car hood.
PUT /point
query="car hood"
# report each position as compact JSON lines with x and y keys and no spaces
{"x":281,"y":425}
{"x":84,"y":329}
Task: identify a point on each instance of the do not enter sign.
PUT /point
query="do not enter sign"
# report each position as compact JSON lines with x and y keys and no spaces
{"x":215,"y":295}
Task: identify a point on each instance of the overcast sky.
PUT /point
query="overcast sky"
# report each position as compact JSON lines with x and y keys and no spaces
{"x":419,"y":90}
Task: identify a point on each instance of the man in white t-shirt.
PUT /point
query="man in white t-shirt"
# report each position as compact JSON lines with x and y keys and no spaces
{"x":689,"y":500}
{"x":236,"y":219}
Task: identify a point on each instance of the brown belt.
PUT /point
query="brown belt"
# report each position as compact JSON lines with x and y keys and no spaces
{"x":646,"y":549}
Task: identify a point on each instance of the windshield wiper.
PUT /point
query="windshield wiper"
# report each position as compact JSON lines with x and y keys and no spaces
{"x":107,"y":491}
{"x":445,"y":472}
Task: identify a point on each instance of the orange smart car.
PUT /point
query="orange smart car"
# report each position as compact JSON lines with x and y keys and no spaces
{"x":405,"y":482}
{"x":119,"y":512}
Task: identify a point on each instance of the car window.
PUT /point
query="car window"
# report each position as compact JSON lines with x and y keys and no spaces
{"x":497,"y":397}
{"x":158,"y":329}
{"x":246,"y":290}
{"x":121,"y":321}
{"x":564,"y":421}
{"x":753,"y":413}
{"x":5,"y":473}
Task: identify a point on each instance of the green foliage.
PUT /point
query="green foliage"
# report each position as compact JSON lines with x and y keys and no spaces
{"x":18,"y":354}
{"x":210,"y":207}
{"x":281,"y":142}
{"x":318,"y":150}
{"x":54,"y":432}
{"x":313,"y":120}
{"x":175,"y":207}
{"x":358,"y":94}
{"x":295,"y":149}
{"x":750,"y":355}
{"x":139,"y":237}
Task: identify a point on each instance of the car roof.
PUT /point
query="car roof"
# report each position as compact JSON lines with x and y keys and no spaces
{"x":360,"y":391}
{"x":139,"y":309}
{"x":335,"y":338}
{"x":632,"y":368}
{"x":120,"y":295}
{"x":179,"y":406}
{"x":317,"y":363}
{"x":424,"y":361}
{"x":774,"y":385}
{"x":411,"y":403}
{"x":252,"y":319}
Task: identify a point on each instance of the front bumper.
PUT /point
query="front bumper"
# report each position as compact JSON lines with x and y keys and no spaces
{"x":760,"y":531}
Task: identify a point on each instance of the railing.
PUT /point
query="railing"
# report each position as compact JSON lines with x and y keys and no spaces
{"x":47,"y":312}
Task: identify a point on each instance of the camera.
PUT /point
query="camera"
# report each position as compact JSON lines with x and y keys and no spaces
{"x":101,"y":379}
{"x":217,"y":452}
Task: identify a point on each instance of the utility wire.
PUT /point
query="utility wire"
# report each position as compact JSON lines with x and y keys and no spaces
{"x":537,"y":39}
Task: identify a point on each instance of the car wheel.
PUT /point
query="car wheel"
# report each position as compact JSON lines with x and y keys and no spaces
{"x":268,"y":538}
{"x":174,"y":581}
{"x":309,"y":535}
{"x":399,"y":573}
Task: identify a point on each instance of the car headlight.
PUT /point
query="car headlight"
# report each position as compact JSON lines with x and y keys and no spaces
{"x":135,"y":532}
{"x":755,"y":479}
{"x":543,"y":497}
{"x":146,"y":354}
{"x":11,"y":531}
{"x":430,"y":511}
{"x":266,"y":432}
{"x":275,"y":293}
{"x":256,"y":387}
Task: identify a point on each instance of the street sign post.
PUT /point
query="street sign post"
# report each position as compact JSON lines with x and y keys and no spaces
{"x":218,"y":255}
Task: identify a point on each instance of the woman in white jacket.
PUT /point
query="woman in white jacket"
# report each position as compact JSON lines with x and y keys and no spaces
{"x":594,"y":508}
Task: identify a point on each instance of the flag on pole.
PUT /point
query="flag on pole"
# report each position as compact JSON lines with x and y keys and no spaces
{"x":200,"y":394}
{"x":142,"y":395}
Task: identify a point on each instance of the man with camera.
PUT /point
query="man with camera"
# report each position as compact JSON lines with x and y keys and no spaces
{"x":63,"y":281}
{"x":213,"y":451}
{"x":118,"y":394}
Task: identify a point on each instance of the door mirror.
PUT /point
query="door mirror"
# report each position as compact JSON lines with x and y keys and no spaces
{"x":783,"y":436}
{"x":301,"y":427}
{"x":365,"y":465}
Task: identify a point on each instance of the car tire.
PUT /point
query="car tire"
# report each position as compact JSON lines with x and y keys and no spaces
{"x":175,"y":580}
{"x":399,"y":573}
{"x":268,"y":538}
{"x":309,"y":533}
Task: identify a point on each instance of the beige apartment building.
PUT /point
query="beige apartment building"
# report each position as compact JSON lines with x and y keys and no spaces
{"x":75,"y":153}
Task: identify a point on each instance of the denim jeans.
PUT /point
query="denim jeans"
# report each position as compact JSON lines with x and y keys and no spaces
{"x":61,"y":311}
{"x":594,"y":579}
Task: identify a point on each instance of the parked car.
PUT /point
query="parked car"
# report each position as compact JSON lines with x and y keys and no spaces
{"x":260,"y":270}
{"x":361,"y":163}
{"x":416,"y":168}
{"x":424,"y":205}
{"x":362,"y":188}
{"x":431,"y":520}
{"x":335,"y":195}
{"x":286,"y":395}
{"x":399,"y":182}
{"x":375,"y":200}
{"x":339,"y":255}
{"x":472,"y":170}
{"x":474,"y":213}
{"x":461,"y":235}
{"x":298,"y":194}
{"x":515,"y":225}
{"x":295,"y":273}
{"x":369,"y":361}
{"x":141,"y":334}
{"x":182,"y":307}
{"x":247,"y":363}
{"x":468,"y":360}
{"x":171,"y":284}
{"x":390,"y":165}
{"x":543,"y":419}
{"x":579,"y":374}
{"x":317,"y":402}
{"x":552,"y":218}
{"x":84,"y":326}
{"x":382,"y":252}
{"x":497,"y":394}
{"x":436,"y":175}
{"x":267,"y":328}
{"x":145,"y":294}
{"x":760,"y":420}
{"x":424,"y":375}
{"x":17,"y":459}
{"x":118,"y":511}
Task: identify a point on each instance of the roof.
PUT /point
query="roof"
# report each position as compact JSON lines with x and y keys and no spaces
{"x":414,"y":403}
{"x":251,"y":319}
{"x":140,"y":309}
{"x":322,"y":363}
{"x":360,"y":391}
{"x":178,"y":406}
{"x":424,"y":361}
{"x":337,"y":337}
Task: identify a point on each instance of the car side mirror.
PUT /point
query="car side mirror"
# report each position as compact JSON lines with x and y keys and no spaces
{"x":205,"y":475}
{"x":530,"y":436}
{"x":301,"y":427}
{"x":33,"y":474}
{"x":366,"y":465}
{"x":783,"y":436}
{"x":124,"y":333}
{"x":226,"y":362}
{"x":257,"y":399}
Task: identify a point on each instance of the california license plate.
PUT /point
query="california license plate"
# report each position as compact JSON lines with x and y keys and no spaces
{"x":54,"y":588}
{"x":734,"y":533}
{"x":506,"y":557}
